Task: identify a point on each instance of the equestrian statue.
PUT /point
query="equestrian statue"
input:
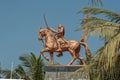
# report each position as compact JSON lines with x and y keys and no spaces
{"x":59,"y":44}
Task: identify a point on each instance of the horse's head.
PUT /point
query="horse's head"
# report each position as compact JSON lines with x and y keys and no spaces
{"x":41,"y":33}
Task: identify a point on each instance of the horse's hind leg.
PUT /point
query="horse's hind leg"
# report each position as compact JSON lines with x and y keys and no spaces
{"x":80,"y":58}
{"x":71,"y":62}
{"x":73,"y":56}
{"x":42,"y":52}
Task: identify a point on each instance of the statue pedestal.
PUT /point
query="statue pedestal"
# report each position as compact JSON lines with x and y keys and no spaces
{"x":62,"y":72}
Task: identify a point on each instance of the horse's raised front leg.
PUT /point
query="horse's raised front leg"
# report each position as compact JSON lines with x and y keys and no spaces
{"x":42,"y":52}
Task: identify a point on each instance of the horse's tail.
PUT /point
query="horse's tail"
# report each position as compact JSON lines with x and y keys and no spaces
{"x":87,"y":49}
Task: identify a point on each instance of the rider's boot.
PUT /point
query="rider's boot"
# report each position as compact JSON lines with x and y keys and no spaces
{"x":59,"y":47}
{"x":60,"y":54}
{"x":59,"y":50}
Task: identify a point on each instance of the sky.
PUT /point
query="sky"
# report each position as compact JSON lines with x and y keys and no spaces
{"x":20,"y":21}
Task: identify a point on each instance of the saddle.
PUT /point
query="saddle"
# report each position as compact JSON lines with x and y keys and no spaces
{"x":63,"y":43}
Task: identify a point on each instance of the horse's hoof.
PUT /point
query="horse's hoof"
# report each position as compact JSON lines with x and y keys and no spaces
{"x":59,"y":55}
{"x":68,"y":65}
{"x":84,"y":64}
{"x":52,"y":64}
{"x":47,"y":58}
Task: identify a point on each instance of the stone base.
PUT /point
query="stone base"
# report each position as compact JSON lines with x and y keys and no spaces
{"x":62,"y":72}
{"x":59,"y":68}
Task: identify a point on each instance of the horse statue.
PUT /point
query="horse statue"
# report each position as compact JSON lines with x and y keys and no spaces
{"x":51,"y":46}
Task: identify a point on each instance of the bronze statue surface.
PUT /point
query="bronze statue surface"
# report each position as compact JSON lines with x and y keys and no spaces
{"x":53,"y":44}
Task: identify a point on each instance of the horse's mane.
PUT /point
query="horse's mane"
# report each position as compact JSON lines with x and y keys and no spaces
{"x":45,"y":30}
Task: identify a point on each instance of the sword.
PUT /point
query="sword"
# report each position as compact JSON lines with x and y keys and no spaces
{"x":46,"y":22}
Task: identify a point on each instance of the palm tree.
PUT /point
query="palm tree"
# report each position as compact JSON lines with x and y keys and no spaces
{"x":30,"y":69}
{"x":107,"y":27}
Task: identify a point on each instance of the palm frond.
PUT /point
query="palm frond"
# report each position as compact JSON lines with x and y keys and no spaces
{"x":109,"y":51}
{"x":25,"y":59}
{"x":9,"y":74}
{"x":20,"y":71}
{"x":38,"y":69}
{"x":112,"y":16}
{"x":33,"y":58}
{"x":98,"y":53}
{"x":95,"y":2}
{"x":104,"y":28}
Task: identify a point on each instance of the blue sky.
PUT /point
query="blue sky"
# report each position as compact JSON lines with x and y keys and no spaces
{"x":20,"y":21}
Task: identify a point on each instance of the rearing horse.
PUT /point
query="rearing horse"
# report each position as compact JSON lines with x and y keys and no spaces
{"x":52,"y":46}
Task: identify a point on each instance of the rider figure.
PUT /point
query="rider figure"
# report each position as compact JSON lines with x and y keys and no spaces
{"x":60,"y":34}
